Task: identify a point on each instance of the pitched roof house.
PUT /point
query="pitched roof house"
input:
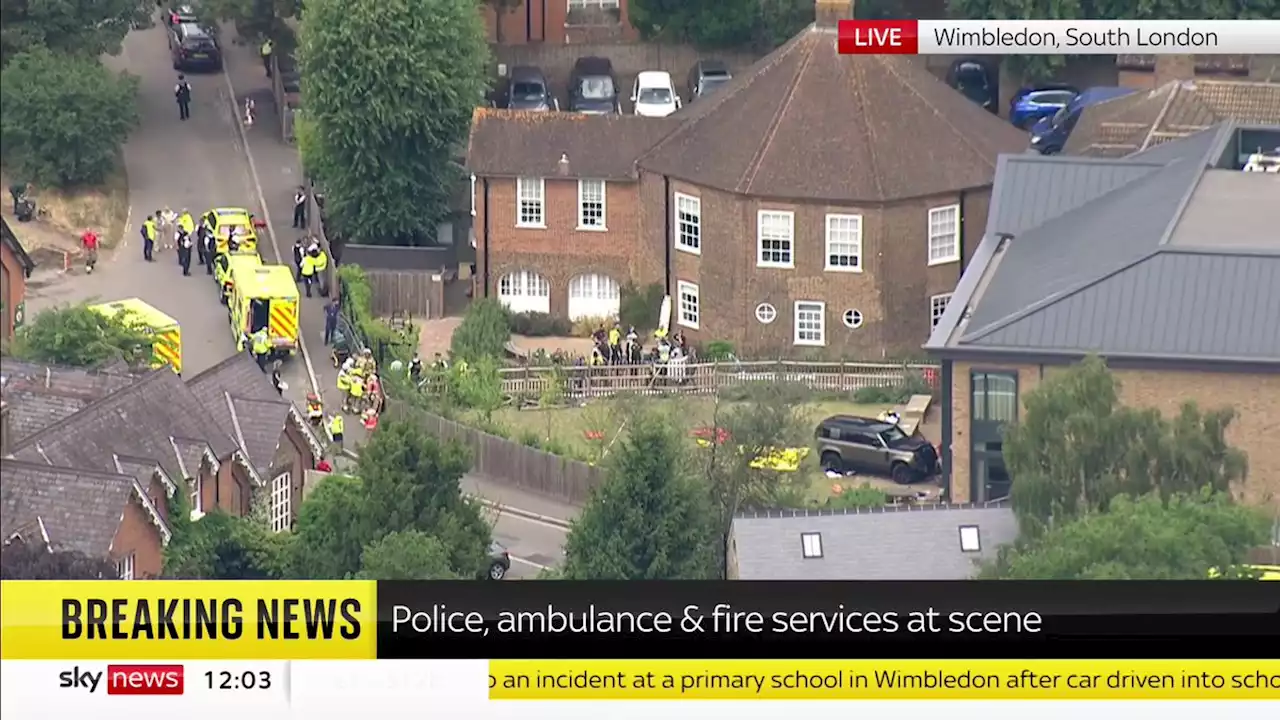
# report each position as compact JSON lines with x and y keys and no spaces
{"x":819,"y":203}
{"x":1166,"y":263}
{"x":1143,"y":120}
{"x":39,"y":396}
{"x":116,"y":515}
{"x":907,"y":542}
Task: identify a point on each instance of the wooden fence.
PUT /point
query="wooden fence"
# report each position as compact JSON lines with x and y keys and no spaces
{"x":400,"y":291}
{"x":508,"y":462}
{"x":707,"y":378}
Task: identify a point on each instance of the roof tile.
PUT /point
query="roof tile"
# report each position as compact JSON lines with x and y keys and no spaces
{"x":80,"y":509}
{"x":517,"y":143}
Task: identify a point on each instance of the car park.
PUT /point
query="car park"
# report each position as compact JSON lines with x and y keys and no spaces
{"x":194,"y":48}
{"x":706,"y":76}
{"x":1032,"y":104}
{"x":654,"y":95}
{"x":850,"y":443}
{"x":593,"y":87}
{"x":528,"y":89}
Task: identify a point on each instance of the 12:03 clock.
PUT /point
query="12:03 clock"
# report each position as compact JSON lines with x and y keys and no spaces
{"x":247,"y":680}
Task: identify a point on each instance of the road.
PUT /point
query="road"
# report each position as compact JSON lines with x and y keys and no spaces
{"x":209,"y":161}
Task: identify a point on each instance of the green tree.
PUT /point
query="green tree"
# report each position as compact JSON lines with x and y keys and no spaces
{"x":327,"y":543}
{"x":64,"y":117}
{"x":411,"y":482}
{"x":253,"y":18}
{"x":1178,"y":537}
{"x":1077,"y":447}
{"x":408,"y":555}
{"x":77,"y":336}
{"x":479,"y":386}
{"x":86,"y":29}
{"x":222,"y":547}
{"x":1043,"y":66}
{"x":484,"y":332}
{"x":33,"y":560}
{"x":391,"y":86}
{"x":651,"y":519}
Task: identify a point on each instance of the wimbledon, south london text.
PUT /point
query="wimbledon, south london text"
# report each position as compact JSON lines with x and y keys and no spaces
{"x":1005,"y":40}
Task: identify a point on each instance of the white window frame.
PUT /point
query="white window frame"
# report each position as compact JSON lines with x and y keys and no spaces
{"x":853,"y":244}
{"x":281,"y":502}
{"x":935,"y":311}
{"x":690,"y":290}
{"x":125,"y":567}
{"x":525,"y":283}
{"x":761,"y":313}
{"x":197,"y":499}
{"x":970,"y":539}
{"x":602,"y":4}
{"x":690,"y":242}
{"x":811,"y":545}
{"x":809,"y":306}
{"x":790,"y":240}
{"x":531,"y":203}
{"x":587,"y":188}
{"x":937,"y":217}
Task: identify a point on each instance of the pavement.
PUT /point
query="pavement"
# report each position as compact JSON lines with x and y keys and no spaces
{"x":211,"y":160}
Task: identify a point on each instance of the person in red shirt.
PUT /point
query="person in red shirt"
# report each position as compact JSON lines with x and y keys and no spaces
{"x":89,"y":240}
{"x":324,"y":466}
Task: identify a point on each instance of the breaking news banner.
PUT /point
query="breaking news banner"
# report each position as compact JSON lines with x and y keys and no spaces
{"x":478,"y":650}
{"x":1058,"y":37}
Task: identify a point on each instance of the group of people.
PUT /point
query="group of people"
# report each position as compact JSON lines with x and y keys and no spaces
{"x":359,"y":385}
{"x":189,"y":237}
{"x":613,"y":347}
{"x":310,"y":265}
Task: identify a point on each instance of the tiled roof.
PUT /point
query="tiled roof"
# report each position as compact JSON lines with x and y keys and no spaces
{"x":516,"y":143}
{"x":1138,"y":121}
{"x":80,"y":510}
{"x":808,"y":123}
{"x":911,"y":542}
{"x":138,"y":421}
{"x":12,"y":242}
{"x":39,"y":396}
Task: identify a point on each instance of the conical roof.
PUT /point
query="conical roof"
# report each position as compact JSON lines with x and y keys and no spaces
{"x":808,"y":123}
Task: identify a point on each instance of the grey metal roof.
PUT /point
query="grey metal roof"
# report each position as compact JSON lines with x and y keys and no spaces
{"x":892,"y":543}
{"x":1177,"y":262}
{"x":80,"y":509}
{"x":1190,"y":303}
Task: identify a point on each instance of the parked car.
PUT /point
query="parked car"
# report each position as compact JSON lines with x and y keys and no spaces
{"x":499,"y":562}
{"x":528,"y":89}
{"x":974,"y":80}
{"x":192,"y":47}
{"x":179,"y":14}
{"x":593,"y":88}
{"x":705,"y":76}
{"x":847,"y":442}
{"x":1032,"y":104}
{"x":1049,"y":136}
{"x":654,"y":94}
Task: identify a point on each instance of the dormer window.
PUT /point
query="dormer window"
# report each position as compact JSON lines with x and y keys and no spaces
{"x":811,"y":545}
{"x":970,"y":539}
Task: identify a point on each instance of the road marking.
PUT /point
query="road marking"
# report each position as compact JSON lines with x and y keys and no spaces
{"x":530,"y":563}
{"x":266,"y":212}
{"x":525,"y":517}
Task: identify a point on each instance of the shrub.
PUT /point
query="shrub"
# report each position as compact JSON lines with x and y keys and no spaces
{"x":718,"y":350}
{"x":483,"y":332}
{"x":65,"y":117}
{"x":585,"y":326}
{"x":639,"y":307}
{"x":913,"y":383}
{"x":537,"y":324}
{"x":529,"y":438}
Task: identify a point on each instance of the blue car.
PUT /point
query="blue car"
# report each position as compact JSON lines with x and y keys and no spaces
{"x":1033,"y":104}
{"x":1049,"y":135}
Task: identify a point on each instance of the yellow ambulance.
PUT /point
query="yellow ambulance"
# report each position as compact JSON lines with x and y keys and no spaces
{"x":265,"y":296}
{"x":167,"y":349}
{"x":224,"y":269}
{"x":242,"y":220}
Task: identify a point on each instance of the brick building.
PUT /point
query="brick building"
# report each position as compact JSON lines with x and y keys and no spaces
{"x":558,"y":22}
{"x":1166,"y":263}
{"x":15,"y":267}
{"x":819,"y":204}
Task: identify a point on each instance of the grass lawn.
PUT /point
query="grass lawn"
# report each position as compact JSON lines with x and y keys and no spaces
{"x":568,"y":427}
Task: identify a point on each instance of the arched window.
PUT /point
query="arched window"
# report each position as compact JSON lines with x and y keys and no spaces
{"x":525,"y":291}
{"x":594,"y":296}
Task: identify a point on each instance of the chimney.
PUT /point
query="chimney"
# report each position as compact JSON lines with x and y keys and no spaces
{"x":563,"y":169}
{"x":1174,"y":67}
{"x":828,"y":13}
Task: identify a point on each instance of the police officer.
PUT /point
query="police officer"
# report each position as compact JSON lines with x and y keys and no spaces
{"x":300,"y":207}
{"x":308,"y":272}
{"x":186,"y":222}
{"x":266,"y":50}
{"x":182,"y":93}
{"x":335,"y":430}
{"x":320,"y":262}
{"x":184,"y":250}
{"x":298,"y":252}
{"x":261,"y":347}
{"x":209,"y":244}
{"x":148,"y":237}
{"x":415,"y":369}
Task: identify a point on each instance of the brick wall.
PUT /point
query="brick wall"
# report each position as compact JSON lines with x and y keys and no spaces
{"x":548,"y":21}
{"x":137,"y":535}
{"x":13,"y":284}
{"x":1255,"y":397}
{"x":560,"y":251}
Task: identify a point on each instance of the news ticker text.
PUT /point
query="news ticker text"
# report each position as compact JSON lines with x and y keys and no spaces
{"x":1058,"y":37}
{"x":188,"y":620}
{"x":641,"y":680}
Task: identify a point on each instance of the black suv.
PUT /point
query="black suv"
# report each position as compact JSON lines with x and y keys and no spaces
{"x":846,"y":443}
{"x":193,"y":47}
{"x":527,"y":89}
{"x":593,"y":88}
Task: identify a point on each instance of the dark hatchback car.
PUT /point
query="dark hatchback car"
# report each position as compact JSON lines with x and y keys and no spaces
{"x":528,"y":89}
{"x":593,"y":88}
{"x":975,"y":81}
{"x":847,"y":442}
{"x":194,"y":48}
{"x":706,"y":76}
{"x":499,"y":562}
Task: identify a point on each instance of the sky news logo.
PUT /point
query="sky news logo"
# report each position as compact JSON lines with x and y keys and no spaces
{"x":126,"y":679}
